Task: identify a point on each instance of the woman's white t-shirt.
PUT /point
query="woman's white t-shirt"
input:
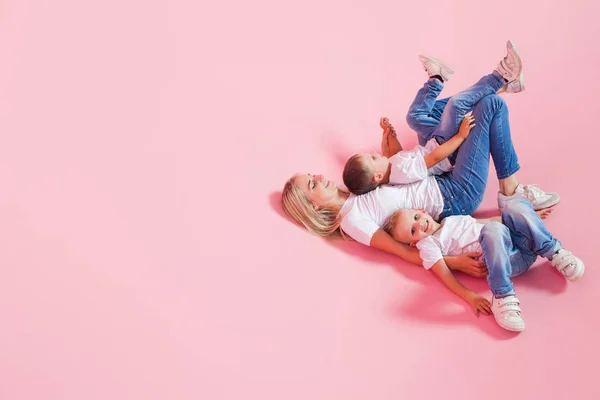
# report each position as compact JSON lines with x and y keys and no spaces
{"x":363,"y":215}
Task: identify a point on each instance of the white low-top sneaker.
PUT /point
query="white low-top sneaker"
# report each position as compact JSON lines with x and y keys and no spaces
{"x":433,"y":66}
{"x":508,"y":313}
{"x":532,"y":193}
{"x":568,"y":265}
{"x":516,"y":86}
{"x":511,"y":65}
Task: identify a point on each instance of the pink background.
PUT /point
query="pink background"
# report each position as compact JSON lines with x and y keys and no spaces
{"x":143,"y":250}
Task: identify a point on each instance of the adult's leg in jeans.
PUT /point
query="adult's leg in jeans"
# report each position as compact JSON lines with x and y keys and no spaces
{"x":421,"y":119}
{"x":528,"y":231}
{"x":491,"y":135}
{"x":502,"y":258}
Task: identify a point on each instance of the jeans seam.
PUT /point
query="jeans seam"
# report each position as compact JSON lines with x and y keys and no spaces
{"x":530,"y":241}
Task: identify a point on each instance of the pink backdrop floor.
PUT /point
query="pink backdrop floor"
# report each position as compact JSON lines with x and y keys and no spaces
{"x":143,"y":251}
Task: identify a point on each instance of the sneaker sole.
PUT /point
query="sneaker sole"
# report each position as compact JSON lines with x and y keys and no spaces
{"x":437,"y":62}
{"x":520,"y":82}
{"x":519,"y":328}
{"x":512,"y":328}
{"x":515,"y":50}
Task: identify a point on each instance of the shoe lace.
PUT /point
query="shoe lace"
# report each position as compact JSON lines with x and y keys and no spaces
{"x":533,"y":191}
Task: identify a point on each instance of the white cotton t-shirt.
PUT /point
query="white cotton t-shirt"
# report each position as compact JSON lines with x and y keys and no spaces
{"x":458,"y":235}
{"x":409,"y":166}
{"x":442,"y":166}
{"x":363,"y":215}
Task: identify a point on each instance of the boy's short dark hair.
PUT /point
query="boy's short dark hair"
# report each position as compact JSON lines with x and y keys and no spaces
{"x":357,"y":177}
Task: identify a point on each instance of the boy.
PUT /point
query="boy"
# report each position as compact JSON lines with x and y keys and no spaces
{"x":364,"y":172}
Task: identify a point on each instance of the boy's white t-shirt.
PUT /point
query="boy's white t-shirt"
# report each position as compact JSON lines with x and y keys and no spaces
{"x":442,"y":166}
{"x":409,"y":166}
{"x":363,"y":215}
{"x":458,"y":235}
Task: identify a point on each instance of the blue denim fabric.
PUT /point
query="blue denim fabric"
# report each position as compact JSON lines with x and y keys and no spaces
{"x":509,"y":249}
{"x":440,"y":119}
{"x":463,"y":188}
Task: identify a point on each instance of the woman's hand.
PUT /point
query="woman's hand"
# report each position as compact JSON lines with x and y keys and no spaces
{"x":544,"y":213}
{"x":479,"y":304}
{"x":467,"y":263}
{"x":465,"y":126}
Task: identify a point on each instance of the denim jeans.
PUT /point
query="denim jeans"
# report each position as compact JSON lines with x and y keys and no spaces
{"x":509,"y":249}
{"x":440,"y":119}
{"x":463,"y":188}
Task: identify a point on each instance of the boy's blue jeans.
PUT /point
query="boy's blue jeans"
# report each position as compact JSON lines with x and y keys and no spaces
{"x":509,"y":249}
{"x":464,"y":187}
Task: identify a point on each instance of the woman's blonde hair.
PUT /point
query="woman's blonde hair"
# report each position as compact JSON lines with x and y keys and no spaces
{"x":324,"y":222}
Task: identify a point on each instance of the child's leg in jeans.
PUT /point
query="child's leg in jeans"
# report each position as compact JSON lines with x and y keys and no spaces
{"x":421,"y":116}
{"x":427,"y":126}
{"x":502,"y":258}
{"x":528,"y":231}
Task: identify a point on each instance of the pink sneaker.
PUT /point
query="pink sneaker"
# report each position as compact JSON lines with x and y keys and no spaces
{"x":433,"y":66}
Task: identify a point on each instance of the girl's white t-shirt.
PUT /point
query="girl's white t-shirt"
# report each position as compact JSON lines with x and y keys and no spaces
{"x":458,"y":235}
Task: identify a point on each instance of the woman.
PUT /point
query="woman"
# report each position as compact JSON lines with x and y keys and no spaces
{"x":324,"y":210}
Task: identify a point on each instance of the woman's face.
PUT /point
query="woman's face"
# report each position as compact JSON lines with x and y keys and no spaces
{"x":317,"y":189}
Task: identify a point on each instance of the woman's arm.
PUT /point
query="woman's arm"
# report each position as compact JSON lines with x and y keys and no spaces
{"x":466,"y":263}
{"x":383,"y":241}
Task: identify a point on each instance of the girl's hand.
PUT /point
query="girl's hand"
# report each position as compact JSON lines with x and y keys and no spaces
{"x":468,"y":263}
{"x":466,"y":125}
{"x":480,"y":304}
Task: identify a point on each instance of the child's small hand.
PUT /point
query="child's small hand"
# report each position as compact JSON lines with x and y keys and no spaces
{"x":480,"y":303}
{"x":466,"y":125}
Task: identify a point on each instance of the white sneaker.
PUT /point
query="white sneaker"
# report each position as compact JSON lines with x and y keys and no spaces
{"x":516,"y":86}
{"x":532,"y":193}
{"x":510,"y":66}
{"x":568,"y":265}
{"x":433,"y":66}
{"x":508,"y":313}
